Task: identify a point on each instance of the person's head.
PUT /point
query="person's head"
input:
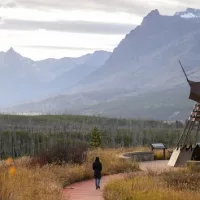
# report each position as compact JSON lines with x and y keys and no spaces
{"x":97,"y":159}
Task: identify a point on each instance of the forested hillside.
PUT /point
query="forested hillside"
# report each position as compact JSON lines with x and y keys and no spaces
{"x":31,"y":135}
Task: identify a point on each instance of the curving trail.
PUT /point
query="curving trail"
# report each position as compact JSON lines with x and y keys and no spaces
{"x":86,"y":190}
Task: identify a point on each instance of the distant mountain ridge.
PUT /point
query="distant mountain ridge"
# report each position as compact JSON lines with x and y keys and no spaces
{"x":22,"y":79}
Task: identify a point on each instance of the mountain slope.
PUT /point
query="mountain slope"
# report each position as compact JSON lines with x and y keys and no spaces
{"x":80,"y":71}
{"x":154,"y":46}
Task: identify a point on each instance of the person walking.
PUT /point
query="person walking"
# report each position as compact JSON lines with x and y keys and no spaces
{"x":97,"y":167}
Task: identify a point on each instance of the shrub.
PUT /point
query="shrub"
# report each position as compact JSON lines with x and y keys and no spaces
{"x":61,"y":154}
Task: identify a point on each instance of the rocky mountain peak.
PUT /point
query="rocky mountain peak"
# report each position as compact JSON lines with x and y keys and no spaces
{"x":12,"y":53}
{"x":151,"y":17}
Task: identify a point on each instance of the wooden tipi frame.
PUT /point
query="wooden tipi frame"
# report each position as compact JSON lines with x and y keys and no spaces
{"x":185,"y":146}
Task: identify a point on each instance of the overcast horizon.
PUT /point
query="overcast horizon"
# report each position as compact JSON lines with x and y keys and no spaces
{"x":56,"y":28}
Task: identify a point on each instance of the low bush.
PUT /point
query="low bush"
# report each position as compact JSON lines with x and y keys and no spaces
{"x":61,"y":154}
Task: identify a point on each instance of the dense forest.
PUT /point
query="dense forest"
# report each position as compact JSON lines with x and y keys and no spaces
{"x":31,"y":135}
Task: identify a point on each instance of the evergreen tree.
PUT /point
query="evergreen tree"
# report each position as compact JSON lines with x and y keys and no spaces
{"x":95,"y":138}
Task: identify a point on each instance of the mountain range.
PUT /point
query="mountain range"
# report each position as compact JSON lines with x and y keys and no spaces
{"x":23,"y":80}
{"x":140,"y":78}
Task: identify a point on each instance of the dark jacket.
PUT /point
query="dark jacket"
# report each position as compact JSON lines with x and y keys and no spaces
{"x":97,"y":167}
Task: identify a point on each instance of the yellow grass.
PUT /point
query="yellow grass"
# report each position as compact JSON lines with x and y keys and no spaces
{"x":30,"y":184}
{"x":19,"y":181}
{"x":158,"y":155}
{"x":174,"y":185}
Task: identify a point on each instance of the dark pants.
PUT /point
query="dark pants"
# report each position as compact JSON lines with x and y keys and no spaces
{"x":97,"y":182}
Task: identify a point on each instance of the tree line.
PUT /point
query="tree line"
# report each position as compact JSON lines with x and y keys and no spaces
{"x":31,"y":135}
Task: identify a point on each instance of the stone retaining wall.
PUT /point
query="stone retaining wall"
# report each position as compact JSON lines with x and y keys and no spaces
{"x":193,"y":163}
{"x":138,"y":156}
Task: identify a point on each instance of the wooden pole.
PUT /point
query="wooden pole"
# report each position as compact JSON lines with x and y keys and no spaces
{"x":164,"y":153}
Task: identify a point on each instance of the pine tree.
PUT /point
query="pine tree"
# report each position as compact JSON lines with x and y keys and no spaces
{"x":95,"y":141}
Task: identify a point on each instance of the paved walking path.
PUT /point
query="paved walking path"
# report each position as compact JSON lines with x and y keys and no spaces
{"x":86,"y":190}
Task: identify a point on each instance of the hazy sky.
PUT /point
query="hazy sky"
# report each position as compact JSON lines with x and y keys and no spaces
{"x":56,"y":28}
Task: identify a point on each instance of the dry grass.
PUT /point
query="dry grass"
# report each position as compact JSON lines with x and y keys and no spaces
{"x":111,"y":162}
{"x":158,"y":155}
{"x":46,"y":183}
{"x":173,"y":185}
{"x":184,"y":179}
{"x":38,"y":183}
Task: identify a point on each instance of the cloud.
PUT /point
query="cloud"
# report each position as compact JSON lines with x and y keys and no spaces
{"x":41,"y":44}
{"x":74,"y":27}
{"x":8,"y":3}
{"x":1,"y":21}
{"x":69,"y":15}
{"x":68,"y":26}
{"x":111,"y":5}
{"x":141,"y":7}
{"x":62,"y":47}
